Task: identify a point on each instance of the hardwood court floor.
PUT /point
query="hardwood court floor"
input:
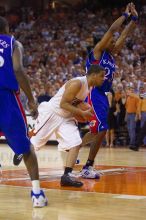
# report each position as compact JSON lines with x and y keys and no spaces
{"x":120,"y":194}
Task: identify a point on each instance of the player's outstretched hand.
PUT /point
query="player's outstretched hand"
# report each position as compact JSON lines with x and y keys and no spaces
{"x":128,"y":9}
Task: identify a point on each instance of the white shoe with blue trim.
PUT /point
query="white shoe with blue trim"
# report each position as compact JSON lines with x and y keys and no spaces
{"x":39,"y":200}
{"x":89,"y":173}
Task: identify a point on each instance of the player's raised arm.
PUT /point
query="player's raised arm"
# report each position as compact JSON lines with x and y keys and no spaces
{"x":127,"y":30}
{"x":103,"y":44}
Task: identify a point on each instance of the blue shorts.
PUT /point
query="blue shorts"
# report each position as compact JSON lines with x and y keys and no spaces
{"x":99,"y":102}
{"x":13,"y":122}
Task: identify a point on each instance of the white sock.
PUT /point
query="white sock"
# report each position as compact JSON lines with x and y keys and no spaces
{"x":36,"y":186}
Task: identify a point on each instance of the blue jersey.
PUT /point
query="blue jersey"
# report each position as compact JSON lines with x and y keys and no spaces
{"x":12,"y":118}
{"x":108,"y":63}
{"x":7,"y":75}
{"x":97,"y":97}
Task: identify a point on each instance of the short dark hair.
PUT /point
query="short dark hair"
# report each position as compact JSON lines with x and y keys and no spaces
{"x":95,"y":69}
{"x":3,"y":24}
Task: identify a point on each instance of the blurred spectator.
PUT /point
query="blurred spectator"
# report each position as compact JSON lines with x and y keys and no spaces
{"x":141,"y":137}
{"x":43,"y":96}
{"x":132,"y":105}
{"x":113,"y":111}
{"x":120,"y":98}
{"x":142,"y":108}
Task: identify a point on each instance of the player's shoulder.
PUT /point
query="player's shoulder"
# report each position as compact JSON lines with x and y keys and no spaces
{"x":19,"y":45}
{"x":81,"y":80}
{"x":76,"y":82}
{"x":6,"y":38}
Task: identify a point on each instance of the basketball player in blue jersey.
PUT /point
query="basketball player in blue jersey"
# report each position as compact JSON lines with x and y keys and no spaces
{"x":12,"y":117}
{"x":103,"y":55}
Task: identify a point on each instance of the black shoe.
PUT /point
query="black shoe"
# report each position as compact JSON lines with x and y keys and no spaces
{"x":67,"y":180}
{"x":17,"y":159}
{"x":134,"y":148}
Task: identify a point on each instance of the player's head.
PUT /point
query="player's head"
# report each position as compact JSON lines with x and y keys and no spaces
{"x":4,"y":26}
{"x":111,"y":44}
{"x":112,"y":41}
{"x":96,"y":75}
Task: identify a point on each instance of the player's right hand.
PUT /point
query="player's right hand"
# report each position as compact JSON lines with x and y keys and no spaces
{"x":128,"y":9}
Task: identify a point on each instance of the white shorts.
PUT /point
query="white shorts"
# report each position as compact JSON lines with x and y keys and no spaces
{"x":49,"y":123}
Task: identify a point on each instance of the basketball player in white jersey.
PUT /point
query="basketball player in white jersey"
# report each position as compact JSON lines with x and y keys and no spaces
{"x":57,"y":117}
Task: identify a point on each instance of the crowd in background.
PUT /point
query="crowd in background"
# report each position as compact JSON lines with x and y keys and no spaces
{"x":56,"y":45}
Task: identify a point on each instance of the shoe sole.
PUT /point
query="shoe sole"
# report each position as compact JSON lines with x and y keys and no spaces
{"x":94,"y":178}
{"x":37,"y":206}
{"x":71,"y":185}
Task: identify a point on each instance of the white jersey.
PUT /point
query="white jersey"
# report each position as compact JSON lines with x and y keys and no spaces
{"x":54,"y":120}
{"x":54,"y":102}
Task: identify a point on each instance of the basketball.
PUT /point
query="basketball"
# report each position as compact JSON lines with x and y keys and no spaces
{"x":83,"y":106}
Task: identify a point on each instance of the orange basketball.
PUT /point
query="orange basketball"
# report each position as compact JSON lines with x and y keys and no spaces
{"x":83,"y":106}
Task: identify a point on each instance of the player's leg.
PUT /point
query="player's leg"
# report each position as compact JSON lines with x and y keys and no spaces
{"x":17,"y":159}
{"x":96,"y":145}
{"x":88,"y":171}
{"x":69,"y":140}
{"x":30,"y":160}
{"x":15,"y":131}
{"x":39,"y":132}
{"x":67,"y":179}
{"x":31,"y":163}
{"x":72,"y":156}
{"x":98,"y":126}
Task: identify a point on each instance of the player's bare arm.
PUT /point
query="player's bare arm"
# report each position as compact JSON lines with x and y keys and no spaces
{"x":103,"y":44}
{"x":71,"y":90}
{"x":22,"y":78}
{"x":128,"y":29}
